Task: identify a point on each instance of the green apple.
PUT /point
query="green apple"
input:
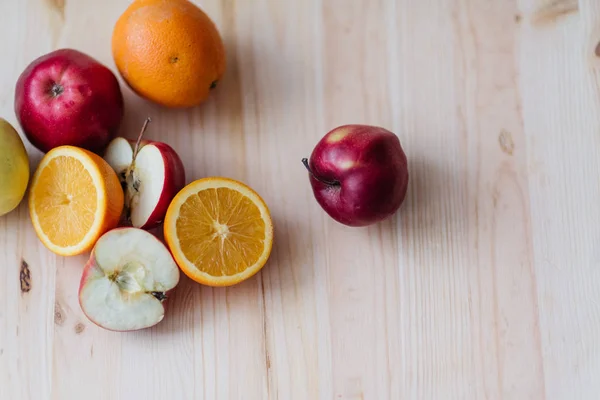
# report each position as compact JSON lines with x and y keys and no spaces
{"x":14,"y":168}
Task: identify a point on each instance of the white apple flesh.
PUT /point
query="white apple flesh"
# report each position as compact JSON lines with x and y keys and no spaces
{"x":151,"y":177}
{"x":126,"y":280}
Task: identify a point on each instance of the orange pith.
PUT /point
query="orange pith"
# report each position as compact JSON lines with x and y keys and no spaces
{"x":168,"y":51}
{"x":219,"y":231}
{"x":75,"y":197}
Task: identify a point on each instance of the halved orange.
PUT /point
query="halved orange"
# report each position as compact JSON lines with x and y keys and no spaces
{"x":75,"y":197}
{"x":219,"y":231}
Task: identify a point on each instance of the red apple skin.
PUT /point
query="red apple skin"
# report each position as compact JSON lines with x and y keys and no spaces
{"x":86,"y":113}
{"x":359,"y":174}
{"x":174,"y":182}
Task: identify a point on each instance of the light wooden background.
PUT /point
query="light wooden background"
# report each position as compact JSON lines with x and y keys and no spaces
{"x":485,"y":286}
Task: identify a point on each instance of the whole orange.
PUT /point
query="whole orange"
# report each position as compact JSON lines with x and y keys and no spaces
{"x":168,"y":51}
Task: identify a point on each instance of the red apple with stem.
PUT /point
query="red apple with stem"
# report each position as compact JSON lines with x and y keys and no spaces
{"x":151,"y":174}
{"x":68,"y":98}
{"x":359,"y":174}
{"x":127,"y":280}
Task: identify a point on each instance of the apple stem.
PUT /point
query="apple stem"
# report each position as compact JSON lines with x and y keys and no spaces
{"x":136,"y":149}
{"x":328,"y":183}
{"x":132,"y":182}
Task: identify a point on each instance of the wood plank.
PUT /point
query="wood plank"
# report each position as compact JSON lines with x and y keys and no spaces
{"x":27,"y":310}
{"x":485,"y":285}
{"x":560,"y":102}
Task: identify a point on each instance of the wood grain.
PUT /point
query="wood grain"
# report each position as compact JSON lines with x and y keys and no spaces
{"x":486,"y":285}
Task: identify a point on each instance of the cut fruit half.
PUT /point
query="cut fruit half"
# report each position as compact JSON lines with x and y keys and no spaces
{"x":126,"y":280}
{"x":74,"y":198}
{"x":151,"y":174}
{"x":219,"y":231}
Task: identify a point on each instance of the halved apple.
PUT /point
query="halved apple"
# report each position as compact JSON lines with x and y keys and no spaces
{"x":126,"y":280}
{"x":151,"y":174}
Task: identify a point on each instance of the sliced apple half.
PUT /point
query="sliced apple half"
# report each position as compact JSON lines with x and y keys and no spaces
{"x":126,"y":280}
{"x":151,"y":174}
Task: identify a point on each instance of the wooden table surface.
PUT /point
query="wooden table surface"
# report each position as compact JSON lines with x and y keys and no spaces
{"x":485,"y":286}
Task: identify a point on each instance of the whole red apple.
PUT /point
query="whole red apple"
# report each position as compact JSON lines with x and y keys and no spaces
{"x":68,"y":98}
{"x":359,"y":174}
